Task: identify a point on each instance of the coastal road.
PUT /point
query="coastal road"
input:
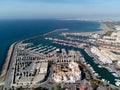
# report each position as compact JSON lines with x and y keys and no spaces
{"x":10,"y":72}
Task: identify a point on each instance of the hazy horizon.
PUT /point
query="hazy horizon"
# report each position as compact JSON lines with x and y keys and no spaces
{"x":62,"y":9}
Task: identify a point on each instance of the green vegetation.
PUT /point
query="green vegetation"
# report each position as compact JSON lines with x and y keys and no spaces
{"x":114,"y":89}
{"x":108,"y":33}
{"x":57,"y":88}
{"x":95,"y":82}
{"x":50,"y":63}
{"x":118,"y":53}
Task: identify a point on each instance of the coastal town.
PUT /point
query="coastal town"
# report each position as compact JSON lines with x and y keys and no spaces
{"x":47,"y":67}
{"x":59,"y":45}
{"x":103,"y":46}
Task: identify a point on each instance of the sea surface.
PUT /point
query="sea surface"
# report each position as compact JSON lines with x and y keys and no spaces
{"x":13,"y":30}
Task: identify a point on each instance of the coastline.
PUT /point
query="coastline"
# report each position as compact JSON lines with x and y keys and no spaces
{"x":11,"y":48}
{"x":7,"y":61}
{"x":104,"y":27}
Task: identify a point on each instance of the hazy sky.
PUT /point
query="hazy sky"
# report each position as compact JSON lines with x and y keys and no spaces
{"x":59,"y":9}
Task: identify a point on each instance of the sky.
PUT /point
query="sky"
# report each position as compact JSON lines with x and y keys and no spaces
{"x":66,"y":9}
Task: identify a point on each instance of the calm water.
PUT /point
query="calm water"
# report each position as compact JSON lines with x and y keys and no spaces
{"x":103,"y":73}
{"x":13,"y":30}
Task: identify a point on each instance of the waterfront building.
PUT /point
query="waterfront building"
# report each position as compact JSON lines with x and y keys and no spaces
{"x":95,"y":35}
{"x":117,"y":27}
{"x":101,"y":56}
{"x":118,"y":63}
{"x":68,"y":73}
{"x":111,"y":55}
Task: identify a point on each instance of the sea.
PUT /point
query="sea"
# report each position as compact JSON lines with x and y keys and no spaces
{"x":14,"y":30}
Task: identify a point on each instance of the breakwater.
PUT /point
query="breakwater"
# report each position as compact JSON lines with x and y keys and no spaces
{"x":11,"y":48}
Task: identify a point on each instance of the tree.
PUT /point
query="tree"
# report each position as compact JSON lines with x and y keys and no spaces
{"x":57,"y":88}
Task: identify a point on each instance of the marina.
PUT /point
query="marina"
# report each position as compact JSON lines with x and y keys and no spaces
{"x":92,"y":61}
{"x":97,"y":68}
{"x":41,"y":49}
{"x":35,"y":66}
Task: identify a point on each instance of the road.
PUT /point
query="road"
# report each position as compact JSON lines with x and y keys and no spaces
{"x":9,"y":75}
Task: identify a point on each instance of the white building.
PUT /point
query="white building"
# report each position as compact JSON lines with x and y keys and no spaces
{"x":118,"y":63}
{"x":117,"y":27}
{"x":95,"y":35}
{"x":101,"y":56}
{"x":70,"y":76}
{"x":116,"y":34}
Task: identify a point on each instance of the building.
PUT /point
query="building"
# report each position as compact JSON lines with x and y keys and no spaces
{"x":83,"y":88}
{"x":67,"y":73}
{"x":117,"y":27}
{"x":104,"y":59}
{"x":118,"y":63}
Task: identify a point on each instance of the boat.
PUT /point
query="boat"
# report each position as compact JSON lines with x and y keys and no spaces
{"x":117,"y":83}
{"x":99,"y":66}
{"x":103,"y":80}
{"x":96,"y":74}
{"x":115,"y":74}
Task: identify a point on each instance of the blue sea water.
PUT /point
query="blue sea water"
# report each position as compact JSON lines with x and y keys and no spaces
{"x":13,"y":30}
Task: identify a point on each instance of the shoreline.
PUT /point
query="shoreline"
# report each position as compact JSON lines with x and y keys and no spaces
{"x":6,"y":62}
{"x":11,"y":48}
